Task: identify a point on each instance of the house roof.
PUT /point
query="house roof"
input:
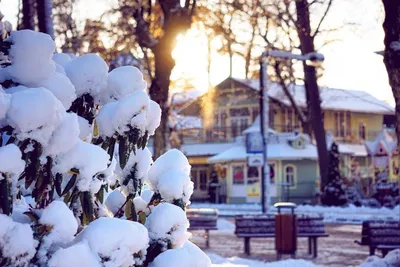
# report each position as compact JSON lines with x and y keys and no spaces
{"x":278,"y":148}
{"x":331,"y":99}
{"x":385,"y":139}
{"x":203,"y":149}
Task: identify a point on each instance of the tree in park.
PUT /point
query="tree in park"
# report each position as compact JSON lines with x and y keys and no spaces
{"x":334,"y":193}
{"x":77,"y":184}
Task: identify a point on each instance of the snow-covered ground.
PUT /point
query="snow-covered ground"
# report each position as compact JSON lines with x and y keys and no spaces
{"x":219,"y":261}
{"x":347,"y":215}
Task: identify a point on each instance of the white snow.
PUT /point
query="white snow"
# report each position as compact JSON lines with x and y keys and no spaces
{"x":61,"y":59}
{"x":153,"y":117}
{"x":11,"y":235}
{"x":143,"y":161}
{"x":391,"y":259}
{"x":85,"y":130}
{"x":65,"y":136}
{"x":10,"y":160}
{"x":37,"y":125}
{"x":61,"y":87}
{"x":170,"y":176}
{"x":115,"y":200}
{"x":122,"y":81}
{"x":63,"y":227}
{"x":28,"y":50}
{"x":88,"y":73}
{"x":87,"y":158}
{"x":346,"y":215}
{"x":115,"y":239}
{"x":218,"y":261}
{"x":4,"y":104}
{"x":174,"y":226}
{"x":188,"y":255}
{"x":76,"y":255}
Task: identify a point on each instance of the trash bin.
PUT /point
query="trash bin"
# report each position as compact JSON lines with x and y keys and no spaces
{"x":285,"y":229}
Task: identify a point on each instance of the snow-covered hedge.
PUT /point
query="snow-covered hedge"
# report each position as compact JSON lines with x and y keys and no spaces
{"x":78,"y":187}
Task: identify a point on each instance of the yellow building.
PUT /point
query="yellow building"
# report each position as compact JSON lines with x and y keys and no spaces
{"x":350,"y":117}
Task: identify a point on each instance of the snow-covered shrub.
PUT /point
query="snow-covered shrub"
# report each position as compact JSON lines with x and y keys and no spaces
{"x":78,"y":187}
{"x":392,"y":259}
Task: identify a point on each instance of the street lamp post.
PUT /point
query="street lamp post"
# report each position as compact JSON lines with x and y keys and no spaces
{"x":312,"y":59}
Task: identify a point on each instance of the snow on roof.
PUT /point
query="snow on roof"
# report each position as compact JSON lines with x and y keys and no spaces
{"x":255,"y":127}
{"x":356,"y":150}
{"x":182,"y":97}
{"x":332,"y":99}
{"x":274,"y":151}
{"x":204,"y":149}
{"x":385,"y":139}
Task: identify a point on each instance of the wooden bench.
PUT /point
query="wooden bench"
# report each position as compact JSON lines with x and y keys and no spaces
{"x":253,"y":226}
{"x":381,"y":235}
{"x":203,"y":219}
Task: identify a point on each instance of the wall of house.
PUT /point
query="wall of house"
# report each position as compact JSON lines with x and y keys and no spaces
{"x":305,"y":185}
{"x":373,"y":123}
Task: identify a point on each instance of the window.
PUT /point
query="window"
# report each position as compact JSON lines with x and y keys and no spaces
{"x":342,"y":124}
{"x":271,"y":117}
{"x":362,"y":131}
{"x":255,"y":112}
{"x":200,"y":178}
{"x":203,"y":179}
{"x":272,"y":173}
{"x":291,"y":121}
{"x":290,"y":175}
{"x":239,"y":124}
{"x":253,"y":175}
{"x":238,"y":174}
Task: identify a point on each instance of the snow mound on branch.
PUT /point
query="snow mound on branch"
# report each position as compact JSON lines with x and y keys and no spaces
{"x":65,"y":136}
{"x":116,"y":116}
{"x":170,"y":176}
{"x":11,"y":247}
{"x":10,"y":160}
{"x":114,"y":201}
{"x":5,"y":100}
{"x":88,"y":73}
{"x":63,"y":227}
{"x":141,"y":160}
{"x":61,"y":59}
{"x":61,"y":87}
{"x":122,"y":81}
{"x":188,"y":255}
{"x":173,"y":227}
{"x":116,"y":240}
{"x":153,"y":117}
{"x":28,"y":49}
{"x":87,"y":158}
{"x":37,"y":125}
{"x":76,"y":255}
{"x":84,"y":128}
{"x":60,"y":70}
{"x":131,"y":110}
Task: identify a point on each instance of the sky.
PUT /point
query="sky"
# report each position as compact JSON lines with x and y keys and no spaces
{"x":350,"y":62}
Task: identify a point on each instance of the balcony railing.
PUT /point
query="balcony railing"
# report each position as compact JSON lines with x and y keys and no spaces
{"x":228,"y":134}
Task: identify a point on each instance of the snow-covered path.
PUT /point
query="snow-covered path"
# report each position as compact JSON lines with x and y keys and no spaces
{"x":219,"y":261}
{"x":345,"y":215}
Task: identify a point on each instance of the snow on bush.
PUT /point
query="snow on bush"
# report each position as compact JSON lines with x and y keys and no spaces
{"x":117,"y":242}
{"x":78,"y":187}
{"x":188,"y":255}
{"x":174,"y":226}
{"x":170,"y":177}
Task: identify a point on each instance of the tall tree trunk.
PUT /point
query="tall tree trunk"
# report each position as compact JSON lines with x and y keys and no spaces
{"x":45,"y":20}
{"x":315,"y":112}
{"x":164,"y":63}
{"x":391,"y":26}
{"x":249,"y":50}
{"x":230,"y":53}
{"x":209,"y":59}
{"x":28,"y":13}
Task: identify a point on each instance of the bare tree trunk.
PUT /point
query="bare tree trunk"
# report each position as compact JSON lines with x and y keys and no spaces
{"x":391,"y":26}
{"x":230,"y":53}
{"x":249,"y":50}
{"x":28,"y":13}
{"x":209,"y":50}
{"x":45,"y":20}
{"x":311,"y":85}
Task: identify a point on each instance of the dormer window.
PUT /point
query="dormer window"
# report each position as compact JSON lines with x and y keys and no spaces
{"x":298,"y":143}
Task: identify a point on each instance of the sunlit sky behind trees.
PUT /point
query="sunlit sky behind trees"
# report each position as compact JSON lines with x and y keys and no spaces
{"x":350,"y":61}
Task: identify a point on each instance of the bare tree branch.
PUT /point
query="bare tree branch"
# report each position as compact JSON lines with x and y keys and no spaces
{"x":323,"y":18}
